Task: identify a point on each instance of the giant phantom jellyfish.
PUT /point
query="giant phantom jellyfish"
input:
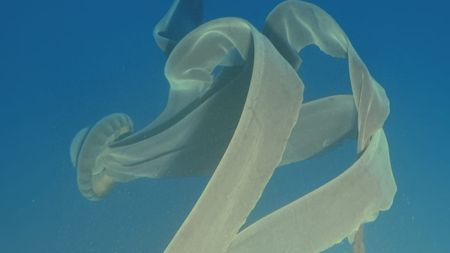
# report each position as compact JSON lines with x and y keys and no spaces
{"x":235,"y":112}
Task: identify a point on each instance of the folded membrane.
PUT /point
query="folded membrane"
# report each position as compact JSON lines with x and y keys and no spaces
{"x":241,"y":125}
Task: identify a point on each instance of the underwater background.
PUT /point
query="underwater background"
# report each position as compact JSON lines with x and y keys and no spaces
{"x":66,"y":64}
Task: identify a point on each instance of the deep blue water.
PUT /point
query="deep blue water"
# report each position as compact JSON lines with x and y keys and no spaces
{"x":66,"y":64}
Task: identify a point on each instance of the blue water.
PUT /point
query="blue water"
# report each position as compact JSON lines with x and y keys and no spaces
{"x":66,"y":64}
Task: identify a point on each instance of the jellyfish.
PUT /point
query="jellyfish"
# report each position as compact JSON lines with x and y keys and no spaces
{"x":235,"y":112}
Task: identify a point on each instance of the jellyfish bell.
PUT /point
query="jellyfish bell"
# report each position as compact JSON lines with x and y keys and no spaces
{"x":88,"y":149}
